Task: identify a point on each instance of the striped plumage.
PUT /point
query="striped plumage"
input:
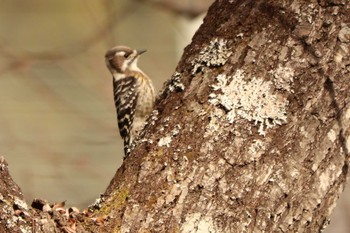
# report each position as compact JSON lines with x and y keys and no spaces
{"x":133,"y":92}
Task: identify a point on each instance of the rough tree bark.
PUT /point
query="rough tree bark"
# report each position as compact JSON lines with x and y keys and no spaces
{"x":251,"y":134}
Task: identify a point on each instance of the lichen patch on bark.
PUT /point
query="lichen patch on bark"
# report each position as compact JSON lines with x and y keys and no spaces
{"x":250,"y":98}
{"x":196,"y":223}
{"x":213,"y":55}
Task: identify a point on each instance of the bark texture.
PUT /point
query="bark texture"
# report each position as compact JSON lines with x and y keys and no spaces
{"x":11,"y":198}
{"x":251,"y":134}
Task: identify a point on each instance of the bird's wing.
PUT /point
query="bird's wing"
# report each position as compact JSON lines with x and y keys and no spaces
{"x":125,"y":99}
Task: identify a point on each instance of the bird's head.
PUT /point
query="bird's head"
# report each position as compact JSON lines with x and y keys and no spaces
{"x":121,"y":59}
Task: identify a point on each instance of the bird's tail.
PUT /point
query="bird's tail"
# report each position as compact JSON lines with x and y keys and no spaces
{"x":126,"y":147}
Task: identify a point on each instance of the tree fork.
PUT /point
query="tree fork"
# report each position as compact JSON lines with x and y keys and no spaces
{"x":250,"y":134}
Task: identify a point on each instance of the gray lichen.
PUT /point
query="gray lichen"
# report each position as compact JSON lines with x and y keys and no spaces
{"x":97,"y":204}
{"x":283,"y":78}
{"x":20,"y":204}
{"x":165,"y":141}
{"x":213,"y":55}
{"x":195,"y":222}
{"x":175,"y":83}
{"x":252,"y":100}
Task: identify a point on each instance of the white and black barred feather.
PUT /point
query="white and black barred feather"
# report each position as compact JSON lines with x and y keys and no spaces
{"x":125,"y":99}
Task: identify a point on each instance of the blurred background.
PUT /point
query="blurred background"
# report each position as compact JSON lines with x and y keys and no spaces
{"x":58,"y":127}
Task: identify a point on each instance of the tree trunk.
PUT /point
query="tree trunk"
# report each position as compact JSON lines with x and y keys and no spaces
{"x":251,"y":134}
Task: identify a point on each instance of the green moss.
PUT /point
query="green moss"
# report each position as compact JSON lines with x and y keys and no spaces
{"x":160,"y":152}
{"x":118,"y":199}
{"x":116,"y":229}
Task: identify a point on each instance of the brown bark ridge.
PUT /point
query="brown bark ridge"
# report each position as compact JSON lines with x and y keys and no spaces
{"x":251,"y":134}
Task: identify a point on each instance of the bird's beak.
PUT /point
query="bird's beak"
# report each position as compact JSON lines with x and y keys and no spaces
{"x":139,"y":52}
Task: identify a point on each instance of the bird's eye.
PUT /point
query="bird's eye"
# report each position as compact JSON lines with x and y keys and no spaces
{"x":126,"y":55}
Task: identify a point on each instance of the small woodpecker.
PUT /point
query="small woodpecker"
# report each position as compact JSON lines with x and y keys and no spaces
{"x":133,"y":92}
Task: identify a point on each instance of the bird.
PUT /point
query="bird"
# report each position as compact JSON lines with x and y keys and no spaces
{"x":133,"y":91}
